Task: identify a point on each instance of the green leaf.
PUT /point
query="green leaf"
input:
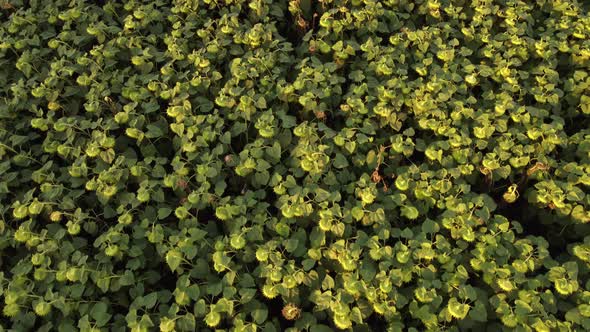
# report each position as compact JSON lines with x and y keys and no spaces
{"x":99,"y":314}
{"x":291,"y":244}
{"x":409,"y":212}
{"x":321,"y":195}
{"x":262,"y":178}
{"x":429,"y":226}
{"x":127,"y":279}
{"x":220,"y":187}
{"x":407,"y":233}
{"x":340,"y":161}
{"x":522,"y":308}
{"x":478,"y":312}
{"x":367,"y":270}
{"x":104,"y":284}
{"x":328,"y":283}
{"x":149,"y":301}
{"x":200,"y":308}
{"x":164,"y":212}
{"x":308,"y":264}
{"x":320,"y":328}
{"x":317,"y":238}
{"x":153,"y":131}
{"x":173,"y":259}
{"x":274,"y":151}
{"x":357,"y":213}
{"x":193,"y":292}
{"x":350,"y":146}
{"x":186,"y":322}
{"x":356,"y":315}
{"x":259,"y":315}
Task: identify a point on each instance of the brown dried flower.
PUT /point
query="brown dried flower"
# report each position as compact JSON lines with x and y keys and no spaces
{"x":291,"y":311}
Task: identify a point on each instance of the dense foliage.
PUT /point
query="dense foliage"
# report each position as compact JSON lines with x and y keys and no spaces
{"x":305,"y":165}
